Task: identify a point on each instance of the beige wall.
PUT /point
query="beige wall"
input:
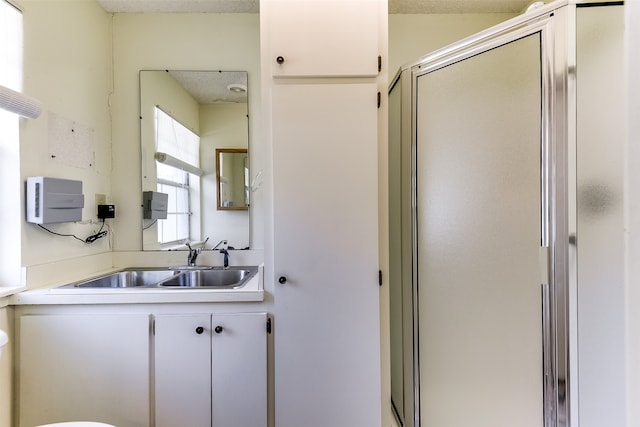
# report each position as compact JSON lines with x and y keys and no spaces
{"x":413,"y":36}
{"x":222,"y":126}
{"x":67,"y":65}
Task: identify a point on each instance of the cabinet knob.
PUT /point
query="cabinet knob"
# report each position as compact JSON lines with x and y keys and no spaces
{"x":282,"y":280}
{"x":199,"y":330}
{"x":280,"y":60}
{"x":218,"y":329}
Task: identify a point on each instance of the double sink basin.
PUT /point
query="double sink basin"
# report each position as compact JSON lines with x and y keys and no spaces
{"x":171,"y":278}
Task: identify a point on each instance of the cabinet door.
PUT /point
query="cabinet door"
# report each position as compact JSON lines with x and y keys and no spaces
{"x":322,"y":37}
{"x":84,"y":367}
{"x":182,"y":370}
{"x":327,"y":339}
{"x":239,"y":370}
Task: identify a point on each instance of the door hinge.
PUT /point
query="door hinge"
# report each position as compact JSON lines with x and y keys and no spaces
{"x":269,"y":325}
{"x":379,"y":277}
{"x":544,"y":264}
{"x":379,"y":63}
{"x":379,"y":99}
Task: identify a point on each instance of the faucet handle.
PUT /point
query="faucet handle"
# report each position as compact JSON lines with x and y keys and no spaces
{"x":225,"y":260}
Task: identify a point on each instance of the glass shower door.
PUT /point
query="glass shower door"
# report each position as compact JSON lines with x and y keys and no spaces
{"x":478,"y":229}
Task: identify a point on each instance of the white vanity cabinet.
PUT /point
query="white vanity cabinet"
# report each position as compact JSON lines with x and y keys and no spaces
{"x":159,"y":366}
{"x":210,"y":370}
{"x":307,"y":38}
{"x":84,"y":367}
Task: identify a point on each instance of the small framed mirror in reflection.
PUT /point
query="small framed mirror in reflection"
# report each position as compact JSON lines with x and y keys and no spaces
{"x":232,"y":178}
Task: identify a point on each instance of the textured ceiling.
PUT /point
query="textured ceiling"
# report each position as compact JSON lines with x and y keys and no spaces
{"x":253,"y":6}
{"x":211,"y":87}
{"x":181,"y":6}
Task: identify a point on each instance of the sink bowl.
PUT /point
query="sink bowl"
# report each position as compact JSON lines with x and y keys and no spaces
{"x":128,"y":278}
{"x":205,"y":277}
{"x":232,"y":277}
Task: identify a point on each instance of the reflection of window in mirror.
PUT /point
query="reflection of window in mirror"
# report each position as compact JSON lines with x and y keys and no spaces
{"x":232,"y":178}
{"x":178,"y":175}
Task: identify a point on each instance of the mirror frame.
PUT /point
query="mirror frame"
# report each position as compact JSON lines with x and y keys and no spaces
{"x":218,"y":191}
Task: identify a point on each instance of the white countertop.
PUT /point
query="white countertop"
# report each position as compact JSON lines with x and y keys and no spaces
{"x":10,"y":290}
{"x":252,"y":291}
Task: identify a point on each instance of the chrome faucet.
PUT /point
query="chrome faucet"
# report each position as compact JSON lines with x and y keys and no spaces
{"x":224,"y":251}
{"x":221,"y":242}
{"x":193,"y":255}
{"x":194,"y":252}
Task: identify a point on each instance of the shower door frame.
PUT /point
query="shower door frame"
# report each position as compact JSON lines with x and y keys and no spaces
{"x":555,"y":23}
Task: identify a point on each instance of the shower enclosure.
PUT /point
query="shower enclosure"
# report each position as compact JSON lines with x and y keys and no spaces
{"x":484,"y":212}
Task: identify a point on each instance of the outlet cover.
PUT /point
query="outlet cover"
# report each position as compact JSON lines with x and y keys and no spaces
{"x":101,"y":199}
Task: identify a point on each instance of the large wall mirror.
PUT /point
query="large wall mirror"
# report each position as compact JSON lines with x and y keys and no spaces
{"x":194,"y":143}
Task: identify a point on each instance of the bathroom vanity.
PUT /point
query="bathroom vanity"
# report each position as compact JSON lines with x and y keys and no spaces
{"x":115,"y":355}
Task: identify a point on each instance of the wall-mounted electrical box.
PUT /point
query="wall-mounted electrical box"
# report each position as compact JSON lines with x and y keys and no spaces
{"x":51,"y":200}
{"x":155,"y":205}
{"x":106,"y":211}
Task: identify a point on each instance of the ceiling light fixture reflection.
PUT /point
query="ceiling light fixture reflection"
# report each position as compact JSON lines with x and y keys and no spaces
{"x":237,"y":88}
